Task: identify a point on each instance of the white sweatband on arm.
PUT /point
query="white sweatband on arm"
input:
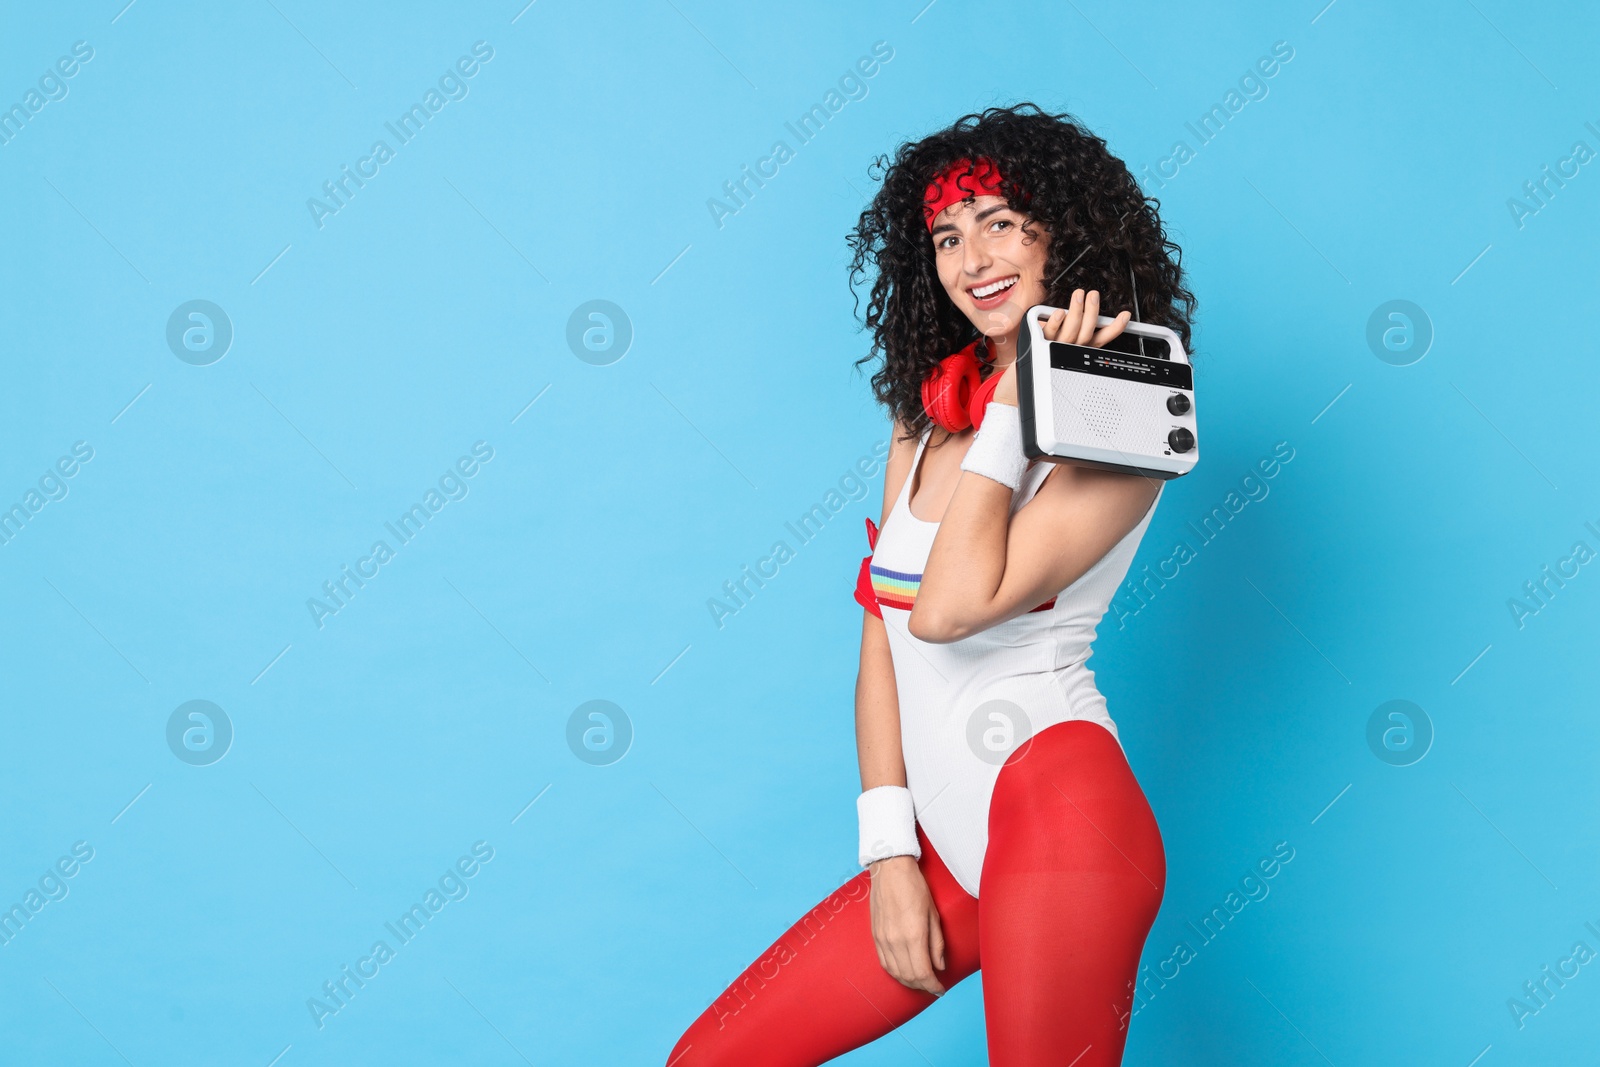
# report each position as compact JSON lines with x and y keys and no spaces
{"x":996,"y":453}
{"x":888,"y":824}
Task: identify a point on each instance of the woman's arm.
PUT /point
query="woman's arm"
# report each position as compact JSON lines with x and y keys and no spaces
{"x":877,"y":710}
{"x":877,"y":703}
{"x":905,"y":924}
{"x":987,"y":566}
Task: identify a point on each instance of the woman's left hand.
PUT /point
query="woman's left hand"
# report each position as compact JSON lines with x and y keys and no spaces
{"x":1073,"y":324}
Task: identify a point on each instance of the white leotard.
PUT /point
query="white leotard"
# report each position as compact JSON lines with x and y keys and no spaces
{"x":953,"y":738}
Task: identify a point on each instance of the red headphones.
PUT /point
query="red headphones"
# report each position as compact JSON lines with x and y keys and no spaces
{"x":956,"y":393}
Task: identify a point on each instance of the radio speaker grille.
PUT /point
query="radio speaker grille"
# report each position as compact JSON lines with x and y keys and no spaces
{"x":1101,"y":411}
{"x":1116,"y":415}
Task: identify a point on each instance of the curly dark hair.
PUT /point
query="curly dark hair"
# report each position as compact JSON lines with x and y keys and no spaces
{"x":1062,"y":177}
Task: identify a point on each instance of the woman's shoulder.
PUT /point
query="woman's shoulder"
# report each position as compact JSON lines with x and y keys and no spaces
{"x":902,"y":447}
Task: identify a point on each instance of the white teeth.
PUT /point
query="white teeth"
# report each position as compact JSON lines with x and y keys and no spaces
{"x":989,"y":290}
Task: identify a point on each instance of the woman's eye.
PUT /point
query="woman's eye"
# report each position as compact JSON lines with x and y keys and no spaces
{"x":1000,"y":224}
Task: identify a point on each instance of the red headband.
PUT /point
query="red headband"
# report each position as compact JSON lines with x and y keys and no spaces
{"x":961,"y":179}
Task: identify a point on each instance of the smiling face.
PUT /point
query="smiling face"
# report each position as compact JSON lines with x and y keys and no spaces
{"x":989,"y":267}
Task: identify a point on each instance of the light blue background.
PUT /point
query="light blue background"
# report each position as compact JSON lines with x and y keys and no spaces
{"x":425,"y":716}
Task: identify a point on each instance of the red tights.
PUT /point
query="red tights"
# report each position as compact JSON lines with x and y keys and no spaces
{"x":1072,"y":879}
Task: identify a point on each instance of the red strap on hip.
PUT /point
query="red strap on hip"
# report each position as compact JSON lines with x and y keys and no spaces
{"x":864,"y":594}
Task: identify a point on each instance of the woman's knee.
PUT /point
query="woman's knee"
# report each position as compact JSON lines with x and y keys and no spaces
{"x":702,"y":1045}
{"x":685,"y":1054}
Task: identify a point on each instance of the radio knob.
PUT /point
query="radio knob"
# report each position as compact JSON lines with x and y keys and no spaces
{"x":1180,"y":439}
{"x":1178,"y":404}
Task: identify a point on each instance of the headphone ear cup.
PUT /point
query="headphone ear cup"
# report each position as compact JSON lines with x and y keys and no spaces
{"x":981,"y":397}
{"x":947,"y":392}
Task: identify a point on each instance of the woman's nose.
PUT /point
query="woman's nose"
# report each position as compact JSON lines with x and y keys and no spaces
{"x":977,"y":259}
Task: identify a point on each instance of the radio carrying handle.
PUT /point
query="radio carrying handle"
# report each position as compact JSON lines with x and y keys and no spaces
{"x":1175,"y":351}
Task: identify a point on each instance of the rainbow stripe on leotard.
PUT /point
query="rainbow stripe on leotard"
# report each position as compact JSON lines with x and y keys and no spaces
{"x":895,"y":589}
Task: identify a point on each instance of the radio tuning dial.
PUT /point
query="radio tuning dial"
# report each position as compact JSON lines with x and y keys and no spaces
{"x":1178,"y":404}
{"x":1180,"y":439}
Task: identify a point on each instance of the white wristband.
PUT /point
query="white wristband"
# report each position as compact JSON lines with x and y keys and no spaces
{"x":996,"y":453}
{"x":888,"y":824}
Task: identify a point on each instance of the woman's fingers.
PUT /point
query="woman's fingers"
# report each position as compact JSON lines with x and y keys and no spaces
{"x":908,"y":953}
{"x":905,"y":965}
{"x":1079,"y":322}
{"x":1062,"y":325}
{"x":1052,"y":325}
{"x":905,"y":955}
{"x":919,"y":967}
{"x":887,"y":955}
{"x":1074,"y":316}
{"x":905,"y":930}
{"x":897,"y":967}
{"x":1090,"y":318}
{"x":1106,"y":333}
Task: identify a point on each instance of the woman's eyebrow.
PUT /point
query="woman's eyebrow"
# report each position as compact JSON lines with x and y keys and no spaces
{"x":990,"y":210}
{"x":979,"y":217}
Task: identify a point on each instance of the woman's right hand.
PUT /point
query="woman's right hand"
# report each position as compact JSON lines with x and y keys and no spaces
{"x":905,"y":924}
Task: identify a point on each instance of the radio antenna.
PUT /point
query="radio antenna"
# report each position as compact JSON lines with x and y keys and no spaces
{"x":1136,"y":316}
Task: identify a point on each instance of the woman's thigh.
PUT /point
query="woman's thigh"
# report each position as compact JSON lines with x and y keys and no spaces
{"x":1072,"y":880}
{"x":819,"y":991}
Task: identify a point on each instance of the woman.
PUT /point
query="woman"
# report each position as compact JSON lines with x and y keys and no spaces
{"x":1000,"y":824}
